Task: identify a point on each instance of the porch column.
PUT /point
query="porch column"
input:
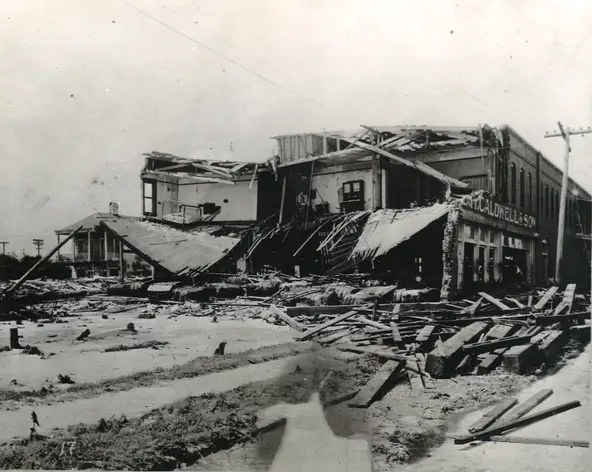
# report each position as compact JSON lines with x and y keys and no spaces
{"x":58,"y":246}
{"x":106,"y":237}
{"x":121,"y":263}
{"x":89,"y":258}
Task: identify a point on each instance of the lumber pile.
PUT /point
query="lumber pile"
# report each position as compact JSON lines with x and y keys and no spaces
{"x":518,"y":332}
{"x":506,"y":417}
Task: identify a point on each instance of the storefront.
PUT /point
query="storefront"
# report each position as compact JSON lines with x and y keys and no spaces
{"x":496,"y":243}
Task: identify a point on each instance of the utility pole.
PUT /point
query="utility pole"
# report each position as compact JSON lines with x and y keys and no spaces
{"x":4,"y":243}
{"x":565,"y":133}
{"x":39,"y":244}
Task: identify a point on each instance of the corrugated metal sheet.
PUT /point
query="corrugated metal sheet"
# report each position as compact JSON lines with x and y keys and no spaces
{"x":178,"y":252}
{"x":386,"y":229}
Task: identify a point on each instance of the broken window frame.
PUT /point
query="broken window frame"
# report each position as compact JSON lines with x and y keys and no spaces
{"x":151,"y":184}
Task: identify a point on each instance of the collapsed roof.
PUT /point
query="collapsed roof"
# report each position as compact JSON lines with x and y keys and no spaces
{"x":182,"y":253}
{"x":399,"y":144}
{"x":158,"y":163}
{"x":386,"y":229}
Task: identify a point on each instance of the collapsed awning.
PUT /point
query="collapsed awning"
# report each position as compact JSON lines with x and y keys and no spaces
{"x":386,"y":229}
{"x":178,"y":252}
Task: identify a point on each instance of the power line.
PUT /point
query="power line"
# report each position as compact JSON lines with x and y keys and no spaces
{"x":564,"y":133}
{"x":39,"y":244}
{"x":205,"y":46}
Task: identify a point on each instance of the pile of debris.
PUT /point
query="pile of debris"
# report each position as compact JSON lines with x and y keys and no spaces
{"x":38,"y":290}
{"x":438,"y":339}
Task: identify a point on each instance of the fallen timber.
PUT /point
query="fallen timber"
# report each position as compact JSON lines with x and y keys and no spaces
{"x":469,"y":336}
{"x":510,"y":425}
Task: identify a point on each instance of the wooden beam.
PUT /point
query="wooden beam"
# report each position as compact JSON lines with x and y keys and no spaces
{"x":529,"y":404}
{"x":491,"y":361}
{"x":417,"y":165}
{"x":545,"y":298}
{"x":445,"y":357}
{"x":11,"y":289}
{"x":286,"y":319}
{"x":493,"y":415}
{"x":374,"y":324}
{"x":567,"y":302}
{"x":539,"y":441}
{"x":488,"y":346}
{"x":378,"y":385}
{"x":396,"y":333}
{"x":518,"y":359}
{"x":472,"y":308}
{"x":314,"y":331}
{"x":507,"y":426}
{"x":551,"y":346}
{"x":494,"y":301}
{"x":499,"y":331}
{"x":425,"y":333}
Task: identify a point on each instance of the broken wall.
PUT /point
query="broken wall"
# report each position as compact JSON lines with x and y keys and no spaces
{"x":237,"y":202}
{"x":327,"y":184}
{"x":450,"y":253}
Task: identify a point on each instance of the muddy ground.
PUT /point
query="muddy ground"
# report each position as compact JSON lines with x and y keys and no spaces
{"x":214,"y":430}
{"x":401,"y":428}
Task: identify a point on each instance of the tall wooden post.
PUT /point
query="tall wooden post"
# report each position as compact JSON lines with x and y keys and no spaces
{"x":121,"y":263}
{"x":565,"y":133}
{"x":89,"y":255}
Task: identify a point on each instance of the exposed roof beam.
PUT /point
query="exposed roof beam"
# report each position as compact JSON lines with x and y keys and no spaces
{"x":418,"y":165}
{"x":184,"y":175}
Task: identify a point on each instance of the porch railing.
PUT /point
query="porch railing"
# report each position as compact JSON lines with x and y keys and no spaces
{"x":181,"y":213}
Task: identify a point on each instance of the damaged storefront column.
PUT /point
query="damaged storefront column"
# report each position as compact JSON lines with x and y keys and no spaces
{"x":450,"y":253}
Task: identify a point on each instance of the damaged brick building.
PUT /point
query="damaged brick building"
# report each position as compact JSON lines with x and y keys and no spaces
{"x":449,"y":207}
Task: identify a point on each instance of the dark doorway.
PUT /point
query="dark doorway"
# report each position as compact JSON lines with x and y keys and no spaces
{"x":468,"y":264}
{"x":514,"y":265}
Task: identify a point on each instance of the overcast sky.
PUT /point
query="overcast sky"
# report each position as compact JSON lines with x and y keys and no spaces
{"x":88,"y":86}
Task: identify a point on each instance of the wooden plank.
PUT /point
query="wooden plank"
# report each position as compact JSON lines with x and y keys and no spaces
{"x":550,"y":319}
{"x":493,"y":360}
{"x":336,"y":336}
{"x":12,"y":288}
{"x":509,"y":425}
{"x":374,"y":324}
{"x":417,"y":165}
{"x":396,"y":333}
{"x":444,"y":358}
{"x":499,"y":331}
{"x":516,"y":302}
{"x":528,"y":405}
{"x":567,"y":302}
{"x":314,"y":331}
{"x":580,"y":333}
{"x":546,"y":298}
{"x":472,"y":308}
{"x":287,"y":319}
{"x":425,"y":333}
{"x":489,"y":346}
{"x":519,"y":359}
{"x":381,"y":354}
{"x":493,"y":415}
{"x":539,"y":441}
{"x":552,"y":345}
{"x":378,"y":385}
{"x":494,"y":301}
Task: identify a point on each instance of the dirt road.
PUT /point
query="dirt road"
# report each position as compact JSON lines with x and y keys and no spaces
{"x":136,"y":401}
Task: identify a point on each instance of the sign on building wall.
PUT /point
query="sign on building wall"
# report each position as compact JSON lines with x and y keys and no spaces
{"x":510,"y":214}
